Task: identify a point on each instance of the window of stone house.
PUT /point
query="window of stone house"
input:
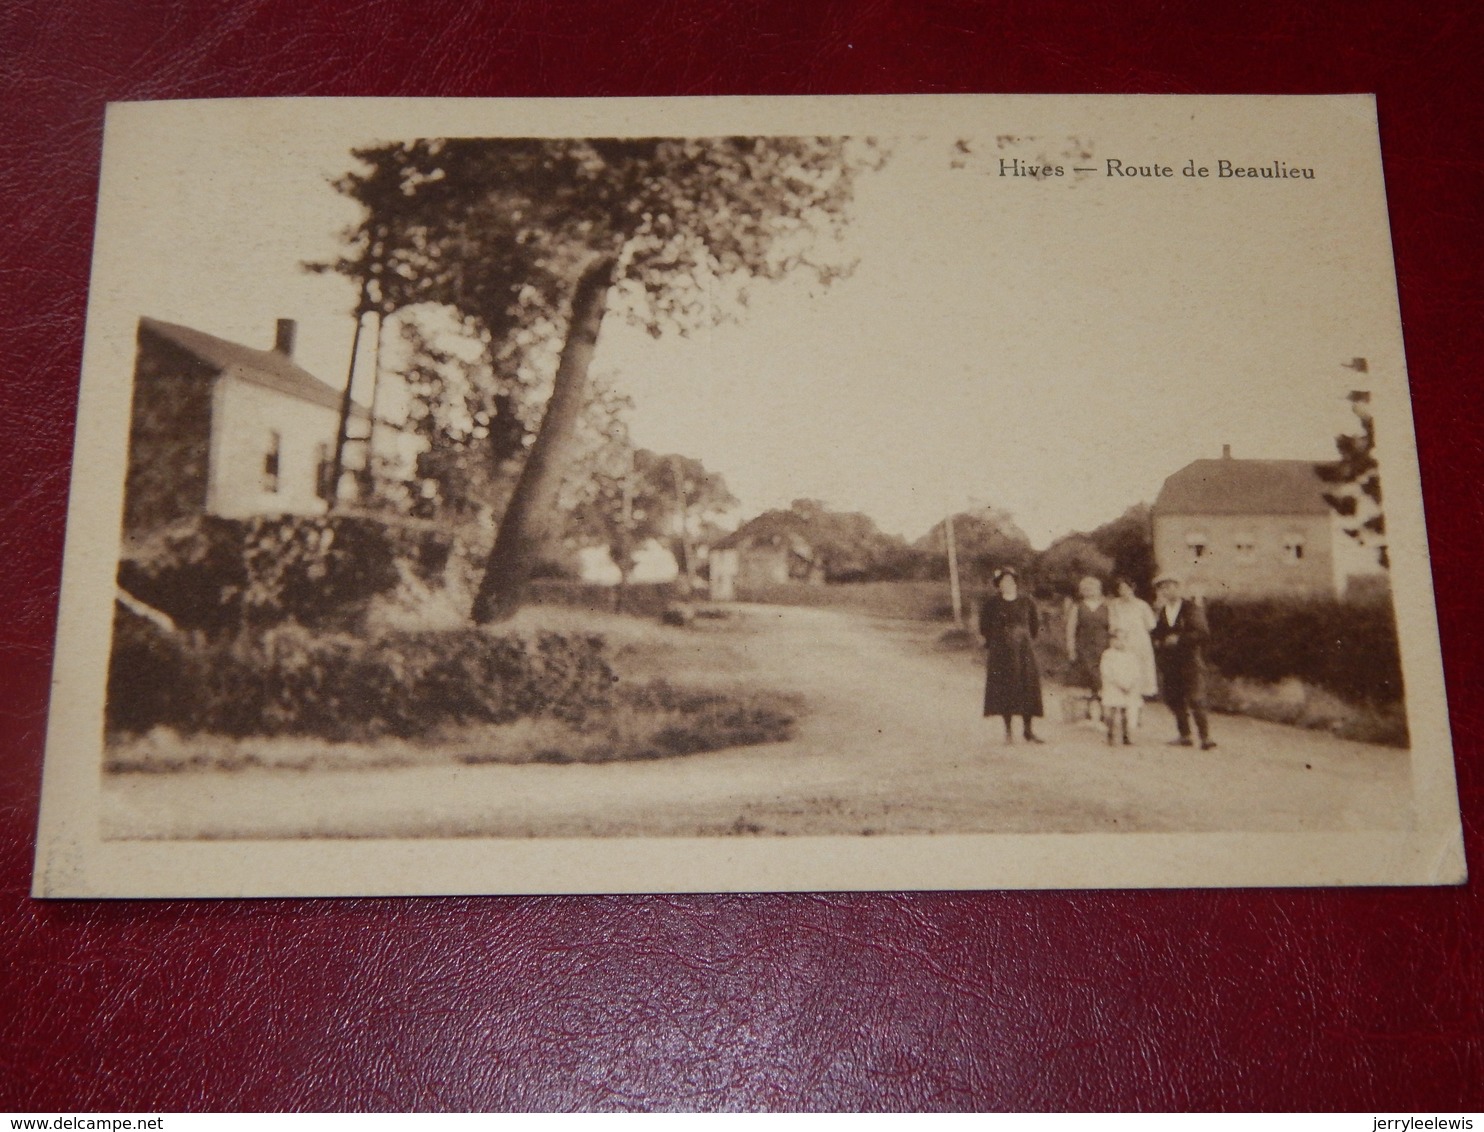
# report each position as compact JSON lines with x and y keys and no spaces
{"x":271,"y":460}
{"x":1246,"y":547}
{"x":1293,"y":549}
{"x":1199,"y":543}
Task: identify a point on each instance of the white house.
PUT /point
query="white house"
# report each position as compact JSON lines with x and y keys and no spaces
{"x":224,"y":429}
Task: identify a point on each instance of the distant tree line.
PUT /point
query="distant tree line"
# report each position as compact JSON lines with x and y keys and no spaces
{"x":851,"y":548}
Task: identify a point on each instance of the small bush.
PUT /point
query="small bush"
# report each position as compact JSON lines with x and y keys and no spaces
{"x":293,"y":681}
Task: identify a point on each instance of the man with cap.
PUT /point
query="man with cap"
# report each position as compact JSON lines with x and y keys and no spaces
{"x":1180,"y":634}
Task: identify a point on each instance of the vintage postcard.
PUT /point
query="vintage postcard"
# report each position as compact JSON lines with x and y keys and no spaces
{"x":744,"y":494}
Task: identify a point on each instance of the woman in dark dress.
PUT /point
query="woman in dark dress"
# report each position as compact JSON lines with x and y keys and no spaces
{"x":1012,"y":683}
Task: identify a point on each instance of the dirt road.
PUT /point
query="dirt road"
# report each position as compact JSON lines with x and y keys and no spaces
{"x":892,"y":743}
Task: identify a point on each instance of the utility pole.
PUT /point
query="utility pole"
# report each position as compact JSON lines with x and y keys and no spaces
{"x":626,"y":540}
{"x":953,"y":587}
{"x":681,"y":498}
{"x":368,"y":473}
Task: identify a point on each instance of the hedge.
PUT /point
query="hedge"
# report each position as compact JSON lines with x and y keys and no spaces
{"x":219,"y":575}
{"x":1348,"y":648}
{"x":292,"y":680}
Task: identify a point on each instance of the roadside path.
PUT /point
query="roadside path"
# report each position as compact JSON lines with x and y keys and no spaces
{"x":893,"y":743}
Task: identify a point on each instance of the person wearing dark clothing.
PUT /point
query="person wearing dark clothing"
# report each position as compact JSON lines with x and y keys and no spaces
{"x":1180,"y":634}
{"x":1088,"y":636}
{"x":1012,"y":684}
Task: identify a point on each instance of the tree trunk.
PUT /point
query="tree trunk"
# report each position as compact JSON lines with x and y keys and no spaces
{"x":524,"y":529}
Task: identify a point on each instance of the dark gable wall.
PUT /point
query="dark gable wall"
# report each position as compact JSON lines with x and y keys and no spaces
{"x":169,"y":436}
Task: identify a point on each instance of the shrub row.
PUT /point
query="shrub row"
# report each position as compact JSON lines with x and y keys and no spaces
{"x":219,"y":575}
{"x":1348,"y":648}
{"x":291,"y":680}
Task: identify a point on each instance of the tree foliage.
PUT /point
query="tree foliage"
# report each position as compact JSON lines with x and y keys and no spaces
{"x":846,"y":546}
{"x":1067,"y":561}
{"x":532,"y":240}
{"x":1357,"y":480}
{"x":985,"y":539}
{"x":643,"y":496}
{"x":474,"y":425}
{"x":500,"y":228}
{"x":1128,"y":542}
{"x":1122,"y":548}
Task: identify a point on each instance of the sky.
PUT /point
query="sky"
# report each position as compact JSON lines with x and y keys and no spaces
{"x":1054,"y":348}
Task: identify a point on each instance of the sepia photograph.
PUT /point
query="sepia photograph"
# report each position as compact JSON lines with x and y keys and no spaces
{"x":744,"y":494}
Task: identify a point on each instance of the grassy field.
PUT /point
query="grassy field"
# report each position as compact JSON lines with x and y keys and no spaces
{"x":682,"y":690}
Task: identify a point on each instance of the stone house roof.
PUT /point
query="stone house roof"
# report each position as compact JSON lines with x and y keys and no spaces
{"x":270,"y":369}
{"x":1243,"y":487}
{"x":772,"y":531}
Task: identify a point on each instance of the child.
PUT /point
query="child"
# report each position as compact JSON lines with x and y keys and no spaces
{"x":1119,"y":669}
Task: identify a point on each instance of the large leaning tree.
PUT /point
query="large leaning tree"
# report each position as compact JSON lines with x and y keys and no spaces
{"x":533,"y":241}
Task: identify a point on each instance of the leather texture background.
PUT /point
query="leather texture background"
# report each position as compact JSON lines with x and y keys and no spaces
{"x":1359,"y":999}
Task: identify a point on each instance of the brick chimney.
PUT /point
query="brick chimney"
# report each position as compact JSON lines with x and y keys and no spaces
{"x":283,"y":338}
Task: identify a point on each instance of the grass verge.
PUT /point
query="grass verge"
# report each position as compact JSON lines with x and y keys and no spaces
{"x":1300,"y":704}
{"x":658,"y":721}
{"x":649,"y":720}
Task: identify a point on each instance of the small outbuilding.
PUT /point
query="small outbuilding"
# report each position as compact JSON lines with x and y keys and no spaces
{"x":760,"y":553}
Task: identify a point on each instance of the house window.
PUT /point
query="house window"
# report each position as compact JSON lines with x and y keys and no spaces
{"x":1246,"y":548}
{"x":271,"y":460}
{"x":1199,"y":543}
{"x":1293,"y":549}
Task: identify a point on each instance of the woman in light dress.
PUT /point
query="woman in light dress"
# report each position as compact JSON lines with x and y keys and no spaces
{"x":1128,"y":613}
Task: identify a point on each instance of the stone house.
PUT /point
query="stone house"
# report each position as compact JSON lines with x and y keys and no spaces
{"x":761,"y":553}
{"x":224,"y":429}
{"x":1254,"y":528}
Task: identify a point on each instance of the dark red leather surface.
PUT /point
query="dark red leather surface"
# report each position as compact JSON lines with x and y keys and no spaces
{"x":1251,"y":999}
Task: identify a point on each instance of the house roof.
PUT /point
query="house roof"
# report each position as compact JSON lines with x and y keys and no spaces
{"x":1243,"y":487}
{"x":771,"y":529}
{"x":267,"y":368}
